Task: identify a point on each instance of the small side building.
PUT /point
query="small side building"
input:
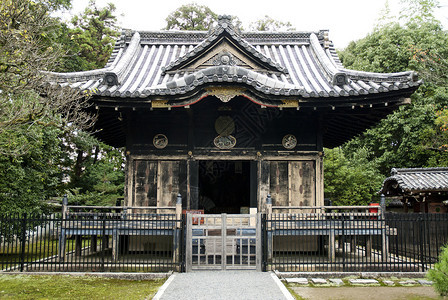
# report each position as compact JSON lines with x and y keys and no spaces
{"x":419,"y":189}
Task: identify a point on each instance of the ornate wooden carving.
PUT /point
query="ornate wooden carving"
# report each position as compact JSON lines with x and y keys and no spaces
{"x":225,"y":94}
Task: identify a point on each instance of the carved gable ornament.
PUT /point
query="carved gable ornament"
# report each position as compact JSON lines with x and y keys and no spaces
{"x":224,"y":46}
{"x":223,"y":54}
{"x":225,"y":94}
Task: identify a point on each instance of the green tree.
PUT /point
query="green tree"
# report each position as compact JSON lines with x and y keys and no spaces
{"x":27,"y":48}
{"x":191,"y":17}
{"x":439,"y":275}
{"x":26,"y":181}
{"x":96,"y":172}
{"x":93,"y":36}
{"x":350,"y":180}
{"x":405,"y":138}
{"x":270,"y":24}
{"x":38,"y":122}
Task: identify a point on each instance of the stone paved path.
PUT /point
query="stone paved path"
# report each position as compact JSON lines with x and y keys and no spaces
{"x":223,"y":285}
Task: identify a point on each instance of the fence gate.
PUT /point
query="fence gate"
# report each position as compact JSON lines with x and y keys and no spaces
{"x":223,"y":242}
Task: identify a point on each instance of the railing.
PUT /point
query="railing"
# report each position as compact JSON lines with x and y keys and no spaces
{"x":328,"y":212}
{"x":91,"y":242}
{"x":122,"y":212}
{"x":353,"y":242}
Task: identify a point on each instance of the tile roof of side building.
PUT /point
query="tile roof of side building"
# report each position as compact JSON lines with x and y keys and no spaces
{"x":297,"y":64}
{"x":415,"y":180}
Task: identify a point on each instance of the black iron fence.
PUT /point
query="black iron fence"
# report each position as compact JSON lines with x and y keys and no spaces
{"x":94,"y":242}
{"x":353,"y":243}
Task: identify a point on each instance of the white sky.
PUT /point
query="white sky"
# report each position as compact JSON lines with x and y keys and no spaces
{"x":347,"y":20}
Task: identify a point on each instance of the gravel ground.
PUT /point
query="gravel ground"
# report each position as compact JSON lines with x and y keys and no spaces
{"x":223,"y":285}
{"x":371,"y":293}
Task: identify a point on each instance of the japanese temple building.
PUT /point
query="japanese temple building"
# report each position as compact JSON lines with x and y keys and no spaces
{"x":227,"y":117}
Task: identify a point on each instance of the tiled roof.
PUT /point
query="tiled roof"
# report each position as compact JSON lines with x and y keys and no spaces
{"x":415,"y":180}
{"x":298,"y":64}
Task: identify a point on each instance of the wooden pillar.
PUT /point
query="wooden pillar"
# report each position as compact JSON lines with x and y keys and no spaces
{"x":177,"y":230}
{"x":224,"y":241}
{"x":106,"y":242}
{"x":93,"y":243}
{"x":130,"y":175}
{"x":352,"y":243}
{"x":384,"y":243}
{"x":62,"y":242}
{"x":115,"y":245}
{"x":270,"y":241}
{"x":264,"y":171}
{"x":78,"y":245}
{"x":258,"y":244}
{"x":189,"y":242}
{"x":319,"y":180}
{"x":331,"y":246}
{"x":192,"y":199}
{"x":368,"y":246}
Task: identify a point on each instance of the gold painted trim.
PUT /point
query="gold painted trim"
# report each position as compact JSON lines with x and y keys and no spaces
{"x":289,"y":103}
{"x":160,"y":104}
{"x":225,"y":94}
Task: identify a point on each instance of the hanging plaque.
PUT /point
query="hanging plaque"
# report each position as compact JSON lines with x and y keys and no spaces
{"x":160,"y":141}
{"x":225,"y":142}
{"x":289,"y":141}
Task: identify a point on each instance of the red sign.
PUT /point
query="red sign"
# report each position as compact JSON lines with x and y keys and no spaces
{"x":197,"y":212}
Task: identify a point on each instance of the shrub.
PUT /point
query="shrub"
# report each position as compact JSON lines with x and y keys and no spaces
{"x":439,"y":275}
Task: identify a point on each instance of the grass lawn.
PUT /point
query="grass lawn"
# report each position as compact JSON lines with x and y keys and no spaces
{"x":74,"y":287}
{"x":34,"y":250}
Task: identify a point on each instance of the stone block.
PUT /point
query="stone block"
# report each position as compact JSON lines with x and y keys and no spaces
{"x":297,"y":280}
{"x":363,"y":281}
{"x":425,"y":282}
{"x":408,"y":282}
{"x":318,"y":281}
{"x":336,"y":281}
{"x":388,"y":282}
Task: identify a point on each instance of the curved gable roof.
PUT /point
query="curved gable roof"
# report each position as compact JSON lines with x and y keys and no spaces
{"x":300,"y":64}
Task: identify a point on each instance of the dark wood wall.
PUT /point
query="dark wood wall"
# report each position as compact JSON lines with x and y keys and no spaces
{"x":156,"y":176}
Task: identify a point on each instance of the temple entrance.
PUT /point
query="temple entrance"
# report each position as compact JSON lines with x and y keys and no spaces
{"x":224,"y":186}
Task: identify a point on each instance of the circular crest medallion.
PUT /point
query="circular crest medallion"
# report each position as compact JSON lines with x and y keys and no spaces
{"x":160,"y":141}
{"x":224,"y":125}
{"x":225,"y":142}
{"x":289,"y":141}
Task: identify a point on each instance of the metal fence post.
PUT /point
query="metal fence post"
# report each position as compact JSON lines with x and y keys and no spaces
{"x":177,"y":233}
{"x":23,"y":243}
{"x":269,"y":237}
{"x":343,"y":243}
{"x":189,"y":246}
{"x":421,"y":241}
{"x":258,"y":245}
{"x":103,"y":242}
{"x":224,"y":241}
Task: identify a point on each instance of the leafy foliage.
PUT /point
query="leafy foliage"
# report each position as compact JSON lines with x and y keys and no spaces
{"x":96,"y":171}
{"x":28,"y":47}
{"x":41,"y":127}
{"x":28,"y":179}
{"x":350,"y":180}
{"x":191,"y":17}
{"x":94,"y":35}
{"x":414,"y":135}
{"x":439,"y":275}
{"x":270,"y":24}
